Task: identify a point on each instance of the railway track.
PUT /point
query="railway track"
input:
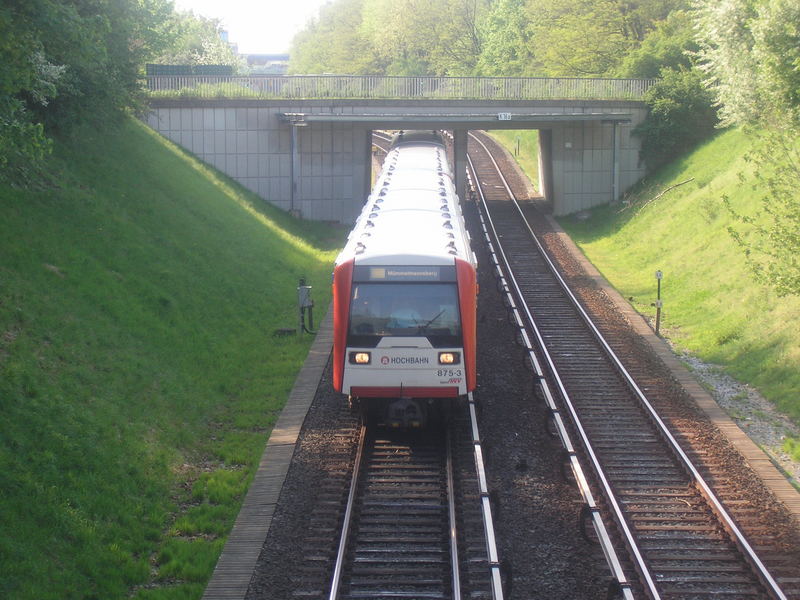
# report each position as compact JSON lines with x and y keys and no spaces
{"x":670,"y":537}
{"x":396,"y":538}
{"x":414,"y":526}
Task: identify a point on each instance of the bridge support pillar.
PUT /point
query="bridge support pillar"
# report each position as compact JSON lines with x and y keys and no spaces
{"x":460,"y":137}
{"x":615,"y":146}
{"x":294,"y":172}
{"x":366,"y":186}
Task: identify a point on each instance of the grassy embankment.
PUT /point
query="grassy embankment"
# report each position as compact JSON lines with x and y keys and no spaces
{"x":524,"y":147}
{"x":139,"y":378}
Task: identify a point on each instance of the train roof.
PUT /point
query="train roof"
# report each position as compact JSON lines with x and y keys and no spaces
{"x":415,"y":136}
{"x":413,"y":215}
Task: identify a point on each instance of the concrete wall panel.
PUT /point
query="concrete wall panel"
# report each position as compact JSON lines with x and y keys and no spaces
{"x":241,"y":142}
{"x":219,"y":119}
{"x":262,"y":141}
{"x":231,"y":165}
{"x":219,"y":143}
{"x":229,"y":146}
{"x":252,"y":164}
{"x":252,"y":142}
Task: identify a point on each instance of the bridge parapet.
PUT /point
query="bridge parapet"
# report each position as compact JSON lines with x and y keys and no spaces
{"x":369,"y":87}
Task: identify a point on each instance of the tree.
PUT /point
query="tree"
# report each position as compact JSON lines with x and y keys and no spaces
{"x":682,"y":114}
{"x":335,"y":42}
{"x":392,"y":29}
{"x":750,"y":53}
{"x":196,"y":40}
{"x":458,"y":36}
{"x":591,"y":37}
{"x":671,"y":45}
{"x":770,"y":238}
{"x":26,"y":77}
{"x":391,"y":37}
{"x":776,"y":33}
{"x":416,"y":37}
{"x":507,"y":47}
{"x":69,"y":61}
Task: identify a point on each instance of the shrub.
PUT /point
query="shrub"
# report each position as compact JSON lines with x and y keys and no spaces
{"x":682,"y":114}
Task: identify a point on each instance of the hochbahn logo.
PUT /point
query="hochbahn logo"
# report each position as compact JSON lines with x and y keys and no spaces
{"x":404,"y":360}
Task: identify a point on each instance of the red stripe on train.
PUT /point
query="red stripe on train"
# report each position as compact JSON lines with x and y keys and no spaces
{"x":404,"y":392}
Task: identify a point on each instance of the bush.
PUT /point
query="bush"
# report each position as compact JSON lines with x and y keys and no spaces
{"x":682,"y":114}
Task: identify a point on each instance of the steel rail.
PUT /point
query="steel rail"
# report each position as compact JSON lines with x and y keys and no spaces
{"x":715,"y":504}
{"x":610,"y":496}
{"x":451,"y":509}
{"x":486,"y":507}
{"x":605,"y":539}
{"x":348,"y":513}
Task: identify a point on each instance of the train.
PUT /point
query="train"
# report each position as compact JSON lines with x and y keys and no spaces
{"x":405,"y":290}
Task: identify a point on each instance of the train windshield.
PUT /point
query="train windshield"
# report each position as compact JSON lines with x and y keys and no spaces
{"x":405,"y":309}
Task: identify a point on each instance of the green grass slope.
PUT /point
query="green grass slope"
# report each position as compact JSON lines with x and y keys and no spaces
{"x":139,"y":378}
{"x":523,"y":144}
{"x":712,"y":306}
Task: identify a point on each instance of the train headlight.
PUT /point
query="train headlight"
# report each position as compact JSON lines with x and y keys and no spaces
{"x":449,"y":358}
{"x":360,"y":358}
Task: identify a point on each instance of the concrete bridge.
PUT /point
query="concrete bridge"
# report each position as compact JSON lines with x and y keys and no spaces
{"x":304,"y":143}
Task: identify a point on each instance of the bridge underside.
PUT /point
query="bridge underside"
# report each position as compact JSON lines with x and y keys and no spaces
{"x":313,"y":157}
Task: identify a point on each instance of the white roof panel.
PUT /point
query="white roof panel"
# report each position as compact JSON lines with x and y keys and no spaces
{"x":413,"y":215}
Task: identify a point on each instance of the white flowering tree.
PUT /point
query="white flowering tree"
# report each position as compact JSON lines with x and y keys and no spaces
{"x":750,"y":52}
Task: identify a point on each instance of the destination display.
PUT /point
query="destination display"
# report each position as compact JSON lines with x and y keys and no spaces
{"x":404,"y":273}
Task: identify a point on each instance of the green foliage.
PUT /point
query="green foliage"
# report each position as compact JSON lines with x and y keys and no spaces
{"x":681,"y":115}
{"x":777,"y":50}
{"x":335,"y":42}
{"x":102,"y":45}
{"x":792,"y":447}
{"x":66,"y":62}
{"x":669,"y":46}
{"x":770,"y":236}
{"x":523,"y":145}
{"x":138,"y":373}
{"x":195,"y":40}
{"x":507,"y":48}
{"x":591,"y":38}
{"x":476,"y":37}
{"x":23,"y":143}
{"x":25,"y":78}
{"x":383,"y":37}
{"x":750,"y":50}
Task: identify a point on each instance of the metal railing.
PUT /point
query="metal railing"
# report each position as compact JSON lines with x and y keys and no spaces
{"x":368,"y":87}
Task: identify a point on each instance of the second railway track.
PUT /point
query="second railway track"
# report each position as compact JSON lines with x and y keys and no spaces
{"x":680,"y":540}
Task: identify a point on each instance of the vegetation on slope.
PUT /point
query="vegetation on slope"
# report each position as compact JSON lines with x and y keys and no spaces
{"x":139,"y":375}
{"x":523,"y":145}
{"x":713,"y":306}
